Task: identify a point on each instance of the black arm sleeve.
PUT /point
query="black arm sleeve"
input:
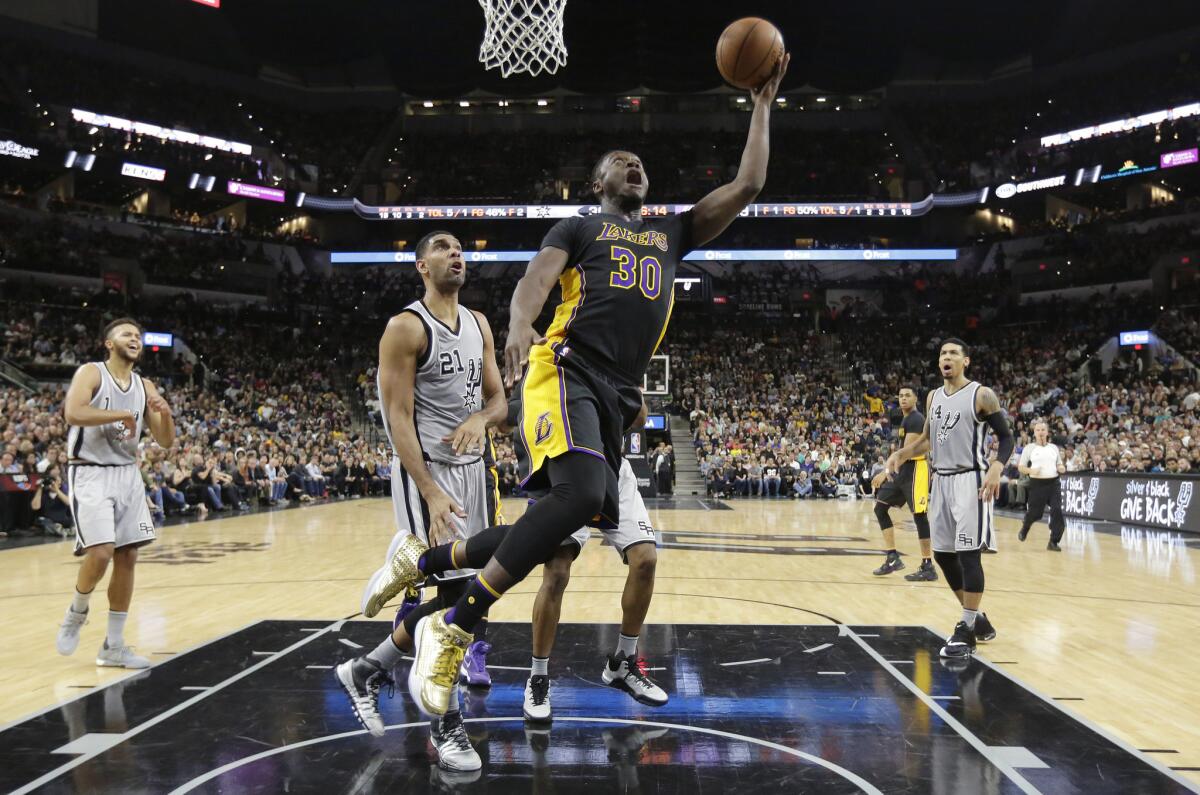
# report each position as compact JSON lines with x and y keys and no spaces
{"x":999,"y":425}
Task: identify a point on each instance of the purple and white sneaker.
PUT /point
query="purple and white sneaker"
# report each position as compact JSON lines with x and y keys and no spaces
{"x":474,"y":667}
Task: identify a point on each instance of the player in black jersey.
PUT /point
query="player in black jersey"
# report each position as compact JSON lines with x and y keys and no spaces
{"x":910,"y":485}
{"x":580,"y":382}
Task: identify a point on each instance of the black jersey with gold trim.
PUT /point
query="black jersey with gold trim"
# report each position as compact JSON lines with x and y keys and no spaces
{"x":617,"y":288}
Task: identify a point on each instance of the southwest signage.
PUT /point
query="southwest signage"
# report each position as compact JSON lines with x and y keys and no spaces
{"x":143,"y":172}
{"x":707,"y":255}
{"x":1121,"y":125}
{"x":14,"y":149}
{"x":255,"y":191}
{"x":1160,"y":501}
{"x":162,"y":339}
{"x":1185,"y":157}
{"x":157,"y":131}
{"x":1010,"y":189}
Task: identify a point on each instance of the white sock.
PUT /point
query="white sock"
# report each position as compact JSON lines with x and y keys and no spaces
{"x":969,"y":617}
{"x":79,"y":603}
{"x":627,"y":645}
{"x":116,"y":629}
{"x":541,"y":666}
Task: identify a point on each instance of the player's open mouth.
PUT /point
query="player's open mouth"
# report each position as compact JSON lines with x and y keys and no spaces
{"x":633,"y":178}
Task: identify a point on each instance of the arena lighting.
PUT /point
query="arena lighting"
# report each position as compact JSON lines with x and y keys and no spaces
{"x":157,"y":131}
{"x":300,"y":199}
{"x":81,"y":162}
{"x":708,"y":255}
{"x":209,"y":3}
{"x":1121,"y":125}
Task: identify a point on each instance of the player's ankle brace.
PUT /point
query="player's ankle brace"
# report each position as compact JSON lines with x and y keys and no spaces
{"x":921,"y":520}
{"x":881,"y":513}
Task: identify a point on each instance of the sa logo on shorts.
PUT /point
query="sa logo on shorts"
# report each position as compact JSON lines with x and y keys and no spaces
{"x":147,"y":530}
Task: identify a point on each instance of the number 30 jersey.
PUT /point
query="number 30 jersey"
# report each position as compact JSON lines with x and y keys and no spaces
{"x":448,"y":386}
{"x":618,"y":288}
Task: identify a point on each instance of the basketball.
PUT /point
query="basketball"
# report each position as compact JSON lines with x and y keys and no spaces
{"x":748,"y":51}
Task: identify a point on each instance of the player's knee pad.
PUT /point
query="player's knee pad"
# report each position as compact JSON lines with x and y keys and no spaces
{"x":921,"y":520}
{"x":951,"y":569}
{"x":881,"y":513}
{"x":972,"y":569}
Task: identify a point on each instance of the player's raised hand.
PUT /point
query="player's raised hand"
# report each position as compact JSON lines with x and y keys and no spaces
{"x":157,"y":403}
{"x":442,"y":511}
{"x":516,"y":352}
{"x":767,"y":91}
{"x":468,"y":437}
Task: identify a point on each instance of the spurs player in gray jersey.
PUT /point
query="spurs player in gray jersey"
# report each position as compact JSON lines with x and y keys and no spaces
{"x":440,"y":391}
{"x":106,"y":408}
{"x":965,"y":484}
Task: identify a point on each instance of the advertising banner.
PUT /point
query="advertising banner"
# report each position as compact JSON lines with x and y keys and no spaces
{"x":1154,"y":500}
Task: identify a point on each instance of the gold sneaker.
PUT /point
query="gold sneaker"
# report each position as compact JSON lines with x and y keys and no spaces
{"x":400,"y":574}
{"x":438,"y":652}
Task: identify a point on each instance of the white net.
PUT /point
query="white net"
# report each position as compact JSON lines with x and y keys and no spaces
{"x":523,"y":36}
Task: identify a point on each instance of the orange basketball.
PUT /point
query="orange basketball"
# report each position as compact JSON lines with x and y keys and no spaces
{"x":748,"y":51}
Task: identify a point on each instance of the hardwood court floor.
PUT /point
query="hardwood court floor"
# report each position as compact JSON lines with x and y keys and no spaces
{"x":1106,"y":626}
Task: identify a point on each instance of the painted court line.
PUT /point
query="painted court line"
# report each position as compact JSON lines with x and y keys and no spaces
{"x":194,"y":687}
{"x":318,"y":667}
{"x":350,"y":643}
{"x":831,"y":673}
{"x":175,"y":710}
{"x":91,"y":743}
{"x":746,"y":662}
{"x":262,"y":653}
{"x":848,"y":775}
{"x":816,"y":649}
{"x":985,"y":750}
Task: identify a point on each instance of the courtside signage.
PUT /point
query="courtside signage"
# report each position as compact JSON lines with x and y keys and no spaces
{"x":255,"y":191}
{"x":1185,"y":157}
{"x":1010,"y":189}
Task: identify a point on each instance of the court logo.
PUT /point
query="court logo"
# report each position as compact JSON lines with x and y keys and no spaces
{"x":543,"y":428}
{"x":1182,"y":501}
{"x":1089,"y":504}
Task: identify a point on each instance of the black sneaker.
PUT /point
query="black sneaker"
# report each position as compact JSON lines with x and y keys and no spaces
{"x":926,"y":573}
{"x":1022,"y":535}
{"x":984,"y":631}
{"x":961,"y":643}
{"x":890,"y":563}
{"x":1053,"y":547}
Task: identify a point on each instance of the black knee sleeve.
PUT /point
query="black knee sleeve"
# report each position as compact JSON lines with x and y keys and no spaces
{"x":881,"y":513}
{"x":951,"y":569}
{"x":921,"y":520}
{"x":972,"y":569}
{"x":578,"y":487}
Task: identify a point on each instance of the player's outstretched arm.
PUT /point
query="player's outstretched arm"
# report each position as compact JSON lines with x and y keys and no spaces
{"x":76,"y":410}
{"x":716,"y":211}
{"x":158,"y":416}
{"x":528,"y":298}
{"x":402,"y":343}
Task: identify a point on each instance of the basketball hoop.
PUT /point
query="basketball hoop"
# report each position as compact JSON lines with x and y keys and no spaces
{"x":523,"y":36}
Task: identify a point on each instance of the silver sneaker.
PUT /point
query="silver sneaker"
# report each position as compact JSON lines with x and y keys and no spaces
{"x":68,"y":631}
{"x":120,"y":657}
{"x":362,"y":679}
{"x":454,"y":748}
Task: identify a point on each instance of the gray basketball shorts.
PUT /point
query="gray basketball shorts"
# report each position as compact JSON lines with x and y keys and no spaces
{"x":466,"y":484}
{"x":108,"y":504}
{"x":958,"y":520}
{"x":634,"y":526}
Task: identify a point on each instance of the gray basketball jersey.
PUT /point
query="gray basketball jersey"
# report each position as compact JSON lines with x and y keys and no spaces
{"x":449,"y":383}
{"x":111,"y":444}
{"x":957,"y":438}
